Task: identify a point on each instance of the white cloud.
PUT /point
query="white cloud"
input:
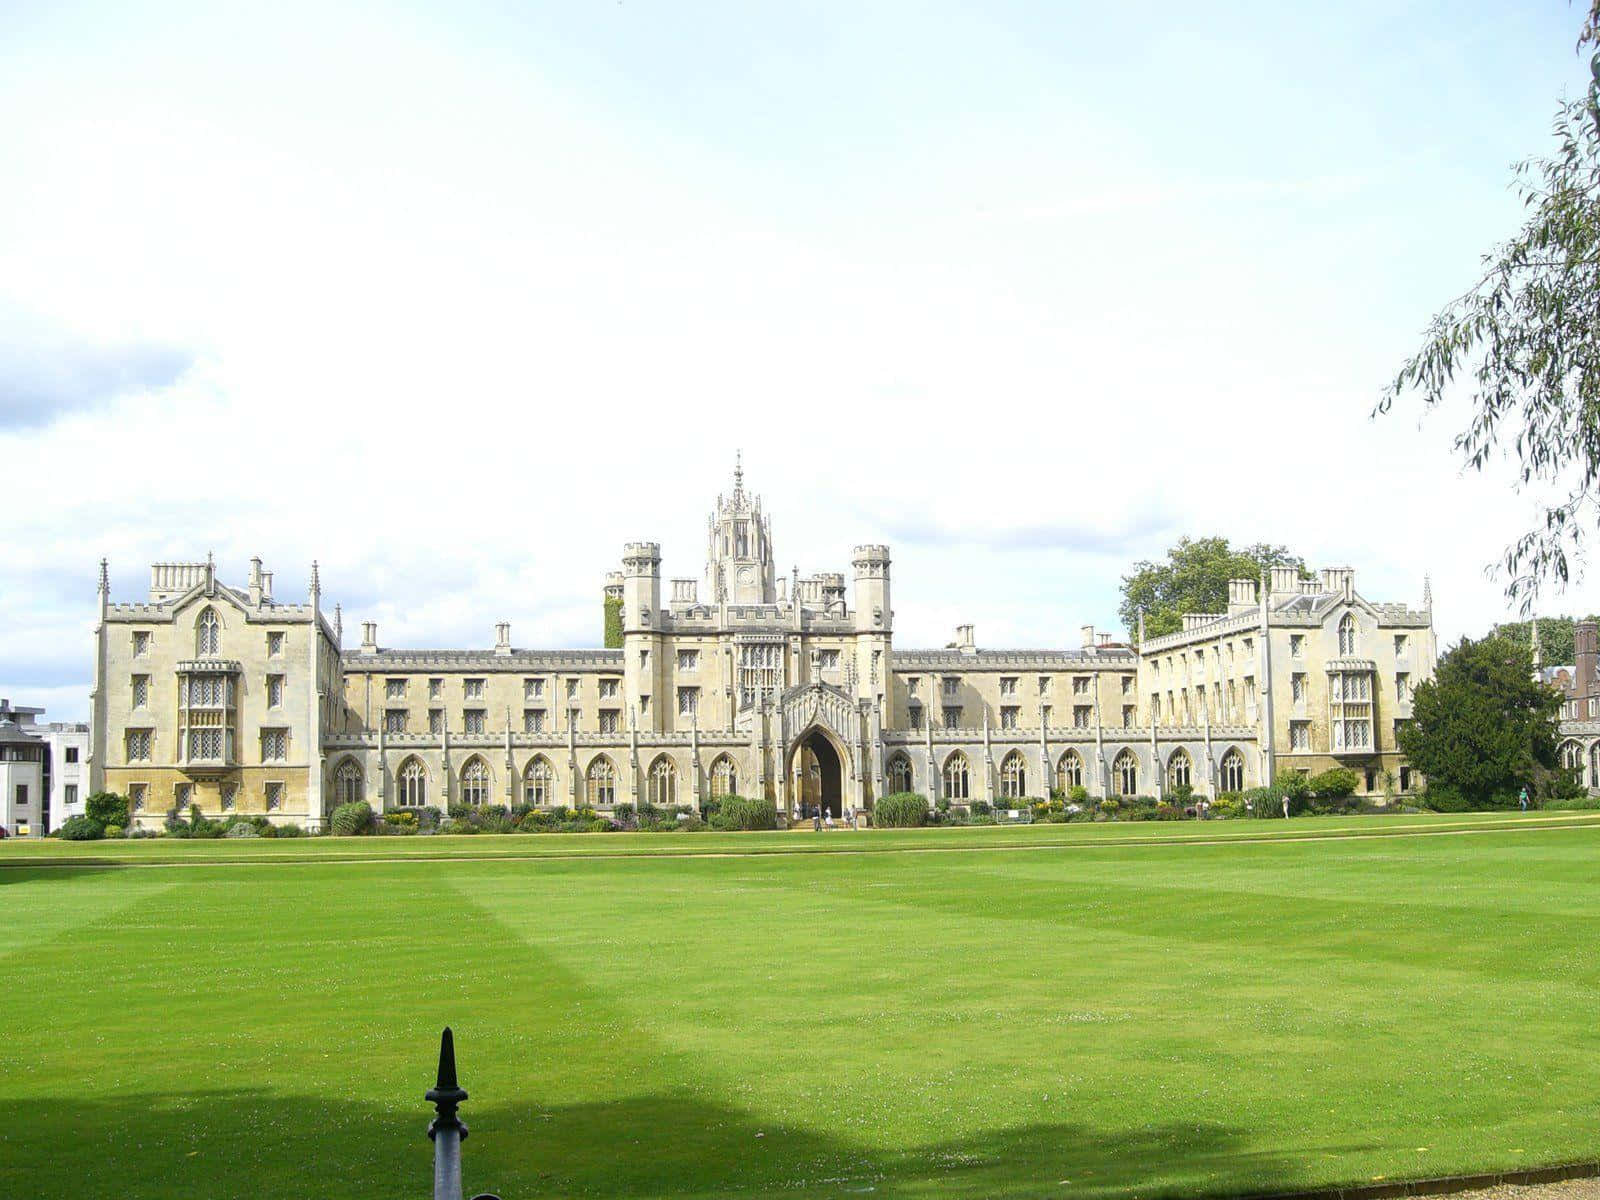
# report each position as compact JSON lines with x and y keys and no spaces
{"x":471,"y":302}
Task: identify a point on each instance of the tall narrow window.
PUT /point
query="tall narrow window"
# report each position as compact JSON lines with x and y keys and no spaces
{"x":1069,"y":771}
{"x":663,"y":784}
{"x":206,"y":633}
{"x":538,"y":783}
{"x":413,"y":780}
{"x":1125,"y":770}
{"x":347,"y":782}
{"x":724,"y":777}
{"x":1347,"y":635}
{"x":475,"y":782}
{"x":602,"y":778}
{"x":899,"y":774}
{"x":956,"y":777}
{"x":1013,"y":776}
{"x":1232,"y":771}
{"x":1179,"y":769}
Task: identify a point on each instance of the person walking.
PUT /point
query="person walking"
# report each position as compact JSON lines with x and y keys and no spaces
{"x":1522,"y":798}
{"x":1286,"y":808}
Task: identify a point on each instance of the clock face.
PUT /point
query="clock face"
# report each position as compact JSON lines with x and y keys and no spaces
{"x":746,"y":574}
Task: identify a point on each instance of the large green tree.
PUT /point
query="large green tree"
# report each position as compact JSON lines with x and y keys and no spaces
{"x":1523,"y":343}
{"x":1194,"y":578}
{"x":1481,"y":727}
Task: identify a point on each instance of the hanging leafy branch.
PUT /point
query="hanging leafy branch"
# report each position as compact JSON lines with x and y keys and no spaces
{"x":1526,"y":341}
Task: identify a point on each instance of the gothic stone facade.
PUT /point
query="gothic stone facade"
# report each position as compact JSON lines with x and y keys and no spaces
{"x":788,"y":687}
{"x":1579,"y":685}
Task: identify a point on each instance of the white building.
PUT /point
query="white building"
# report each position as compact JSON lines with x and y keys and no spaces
{"x":44,"y":770}
{"x":22,"y":764}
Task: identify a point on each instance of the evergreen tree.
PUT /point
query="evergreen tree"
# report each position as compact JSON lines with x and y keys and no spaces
{"x":1481,"y":728}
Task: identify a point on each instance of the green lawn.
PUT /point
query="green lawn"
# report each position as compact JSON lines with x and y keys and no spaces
{"x":1055,"y":1010}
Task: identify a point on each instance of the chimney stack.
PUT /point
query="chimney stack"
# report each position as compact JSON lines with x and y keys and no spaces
{"x":369,"y":637}
{"x":502,"y":637}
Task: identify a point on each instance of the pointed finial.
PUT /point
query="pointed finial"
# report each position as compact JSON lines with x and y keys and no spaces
{"x":338,"y":621}
{"x":1427,"y":593}
{"x":738,"y":472}
{"x":446,"y":1094}
{"x":316,"y":579}
{"x":105,"y":578}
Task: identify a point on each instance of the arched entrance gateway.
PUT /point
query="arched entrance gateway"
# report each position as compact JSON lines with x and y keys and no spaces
{"x":816,"y":772}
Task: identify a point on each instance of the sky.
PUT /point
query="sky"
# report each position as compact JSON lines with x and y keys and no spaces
{"x":458,"y":299}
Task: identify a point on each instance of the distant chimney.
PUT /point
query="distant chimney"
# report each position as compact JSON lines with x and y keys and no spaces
{"x":964,"y":640}
{"x":1088,"y":636}
{"x":1241,"y":595}
{"x":502,"y":637}
{"x":1586,"y":644}
{"x":1285,"y":580}
{"x":369,"y":637}
{"x":255,"y":582}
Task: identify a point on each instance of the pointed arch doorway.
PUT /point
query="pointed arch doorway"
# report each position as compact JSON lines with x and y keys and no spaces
{"x":817,"y":770}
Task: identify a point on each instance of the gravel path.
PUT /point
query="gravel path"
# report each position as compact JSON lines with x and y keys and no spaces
{"x":1567,"y":1189}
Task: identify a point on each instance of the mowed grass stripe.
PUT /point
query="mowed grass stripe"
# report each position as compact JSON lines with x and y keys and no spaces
{"x":520,"y":847}
{"x":1188,"y":1019}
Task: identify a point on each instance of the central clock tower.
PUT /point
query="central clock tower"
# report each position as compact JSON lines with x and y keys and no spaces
{"x":739,"y":567}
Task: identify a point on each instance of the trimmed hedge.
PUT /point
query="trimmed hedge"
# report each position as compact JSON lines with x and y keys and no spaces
{"x":902,"y":810}
{"x":350,"y":820}
{"x":744,"y":812}
{"x":81,"y":829}
{"x":107,"y":808}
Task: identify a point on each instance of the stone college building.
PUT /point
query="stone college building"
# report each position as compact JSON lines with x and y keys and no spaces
{"x":786,"y":687}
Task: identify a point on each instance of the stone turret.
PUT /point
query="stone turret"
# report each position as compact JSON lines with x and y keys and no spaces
{"x":872,"y":588}
{"x":641,"y":585}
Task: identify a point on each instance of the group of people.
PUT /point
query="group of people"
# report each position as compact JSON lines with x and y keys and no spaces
{"x":822,"y":819}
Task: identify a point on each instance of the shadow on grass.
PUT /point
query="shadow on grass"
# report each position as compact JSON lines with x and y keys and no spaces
{"x":54,"y":869}
{"x":247,"y":1142}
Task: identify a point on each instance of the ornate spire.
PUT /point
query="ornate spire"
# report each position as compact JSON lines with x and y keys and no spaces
{"x":105,"y":578}
{"x":1427,"y":593}
{"x":316,"y":579}
{"x":738,"y":473}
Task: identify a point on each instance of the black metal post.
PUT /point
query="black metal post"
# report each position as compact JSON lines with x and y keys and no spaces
{"x":446,"y":1129}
